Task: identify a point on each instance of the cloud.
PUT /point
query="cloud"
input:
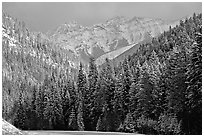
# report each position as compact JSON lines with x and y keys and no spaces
{"x":47,"y":16}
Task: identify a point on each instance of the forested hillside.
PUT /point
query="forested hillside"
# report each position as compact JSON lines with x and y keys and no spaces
{"x":157,"y":90}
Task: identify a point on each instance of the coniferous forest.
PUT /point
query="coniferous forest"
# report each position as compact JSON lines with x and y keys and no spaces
{"x":156,"y":90}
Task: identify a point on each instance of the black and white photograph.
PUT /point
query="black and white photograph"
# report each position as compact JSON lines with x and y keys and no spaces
{"x":101,"y":68}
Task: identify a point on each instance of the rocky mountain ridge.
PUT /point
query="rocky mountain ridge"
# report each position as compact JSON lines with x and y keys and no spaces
{"x":104,"y":40}
{"x":101,"y":39}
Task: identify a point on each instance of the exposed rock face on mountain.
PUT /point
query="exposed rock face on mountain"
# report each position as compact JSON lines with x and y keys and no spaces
{"x":77,"y":43}
{"x":115,"y":34}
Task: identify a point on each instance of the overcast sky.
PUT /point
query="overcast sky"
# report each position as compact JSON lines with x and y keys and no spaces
{"x":47,"y":16}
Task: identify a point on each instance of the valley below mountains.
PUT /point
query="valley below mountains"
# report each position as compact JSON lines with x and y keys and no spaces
{"x":126,"y":75}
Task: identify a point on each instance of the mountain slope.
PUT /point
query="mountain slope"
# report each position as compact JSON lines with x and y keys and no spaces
{"x":106,"y":37}
{"x":78,"y":43}
{"x":112,"y":55}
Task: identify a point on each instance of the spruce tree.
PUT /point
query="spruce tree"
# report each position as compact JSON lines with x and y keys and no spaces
{"x":126,"y":82}
{"x":73,"y":120}
{"x":81,"y":85}
{"x":107,"y":88}
{"x":33,"y":108}
{"x":72,"y":110}
{"x":98,"y":103}
{"x":154,"y":77}
{"x":118,"y":98}
{"x":134,"y":88}
{"x":90,"y":118}
{"x":20,"y":118}
{"x":53,"y":108}
{"x":144,"y":93}
{"x":40,"y":104}
{"x":194,"y":88}
{"x":177,"y":87}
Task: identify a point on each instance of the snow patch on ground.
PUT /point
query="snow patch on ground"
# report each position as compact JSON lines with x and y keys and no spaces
{"x":8,"y":129}
{"x":113,"y":54}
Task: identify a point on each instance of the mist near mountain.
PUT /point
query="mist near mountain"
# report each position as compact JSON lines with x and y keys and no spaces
{"x":43,"y":17}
